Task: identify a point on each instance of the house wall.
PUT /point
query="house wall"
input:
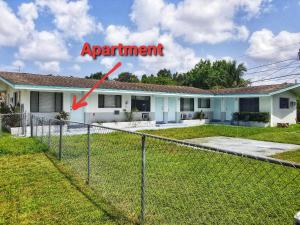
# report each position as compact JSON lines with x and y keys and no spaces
{"x":95,"y":114}
{"x":283,"y":115}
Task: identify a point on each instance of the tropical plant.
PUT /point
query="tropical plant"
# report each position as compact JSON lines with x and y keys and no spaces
{"x":62,"y":115}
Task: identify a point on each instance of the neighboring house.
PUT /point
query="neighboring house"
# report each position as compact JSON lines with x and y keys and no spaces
{"x":113,"y":101}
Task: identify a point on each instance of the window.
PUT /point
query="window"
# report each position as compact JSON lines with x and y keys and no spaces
{"x":140,"y":103}
{"x":249,"y":104}
{"x":16,"y":98}
{"x":186,"y":104}
{"x":109,"y":101}
{"x":203,"y":103}
{"x":284,"y":103}
{"x":46,"y":102}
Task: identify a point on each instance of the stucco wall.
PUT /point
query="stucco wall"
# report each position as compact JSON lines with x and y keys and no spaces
{"x":283,"y":115}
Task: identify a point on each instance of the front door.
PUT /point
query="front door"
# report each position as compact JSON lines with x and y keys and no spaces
{"x":171,"y":109}
{"x":159,"y":109}
{"x":229,"y":108}
{"x":217,"y":109}
{"x":77,"y":115}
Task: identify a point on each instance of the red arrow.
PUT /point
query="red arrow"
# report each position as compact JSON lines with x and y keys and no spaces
{"x":81,"y":103}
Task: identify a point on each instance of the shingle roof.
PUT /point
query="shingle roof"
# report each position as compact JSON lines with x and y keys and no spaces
{"x":63,"y":81}
{"x":262,"y":89}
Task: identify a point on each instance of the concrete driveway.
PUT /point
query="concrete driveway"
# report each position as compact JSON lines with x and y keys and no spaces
{"x":245,"y":146}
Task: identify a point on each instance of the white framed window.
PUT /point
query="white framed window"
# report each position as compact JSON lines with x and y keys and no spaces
{"x":203,"y":102}
{"x":284,"y":103}
{"x":109,"y":101}
{"x":186,"y":104}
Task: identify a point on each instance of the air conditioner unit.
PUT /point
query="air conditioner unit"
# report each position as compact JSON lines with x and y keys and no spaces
{"x":145,"y":116}
{"x":117,"y":112}
{"x":183,"y":116}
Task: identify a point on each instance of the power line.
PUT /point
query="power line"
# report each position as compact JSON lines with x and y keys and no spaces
{"x":270,"y":74}
{"x":276,"y":68}
{"x":273,"y":78}
{"x":269,"y":64}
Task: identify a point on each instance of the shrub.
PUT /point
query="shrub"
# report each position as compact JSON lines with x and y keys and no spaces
{"x":252,"y":116}
{"x":199,"y":115}
{"x":62,"y":116}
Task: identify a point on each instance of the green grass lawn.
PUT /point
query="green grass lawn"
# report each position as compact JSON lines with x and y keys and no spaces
{"x":34,"y":191}
{"x":284,"y":135}
{"x":185,"y":185}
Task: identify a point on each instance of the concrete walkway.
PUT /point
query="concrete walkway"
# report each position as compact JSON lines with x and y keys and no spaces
{"x":245,"y":146}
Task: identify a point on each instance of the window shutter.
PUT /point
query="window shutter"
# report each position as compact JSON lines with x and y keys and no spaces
{"x":208,"y":103}
{"x":100,"y":101}
{"x":34,"y":101}
{"x":181,"y":104}
{"x":46,"y":102}
{"x":58,"y":102}
{"x":191,"y":104}
{"x":118,"y":99}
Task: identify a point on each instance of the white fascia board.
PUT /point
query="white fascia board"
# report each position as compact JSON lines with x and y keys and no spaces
{"x":240,"y":96}
{"x":7,"y":82}
{"x":285,"y":89}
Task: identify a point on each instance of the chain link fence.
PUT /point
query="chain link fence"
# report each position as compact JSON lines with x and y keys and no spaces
{"x":15,"y":123}
{"x":155,"y":180}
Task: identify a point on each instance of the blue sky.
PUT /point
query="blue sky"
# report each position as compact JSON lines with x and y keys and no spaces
{"x":43,"y":36}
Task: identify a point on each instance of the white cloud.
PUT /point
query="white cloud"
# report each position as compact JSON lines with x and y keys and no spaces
{"x":197,"y":21}
{"x":121,"y":34}
{"x":76,"y":68}
{"x":12,"y":29}
{"x":18,"y":64}
{"x":147,"y":13}
{"x":265,"y":45}
{"x":49,"y":67}
{"x":44,"y":46}
{"x":108,"y":62}
{"x":28,"y":12}
{"x":71,"y":17}
{"x":83,"y":59}
{"x":176,"y":57}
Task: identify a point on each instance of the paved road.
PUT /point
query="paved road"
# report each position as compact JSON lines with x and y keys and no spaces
{"x":245,"y":146}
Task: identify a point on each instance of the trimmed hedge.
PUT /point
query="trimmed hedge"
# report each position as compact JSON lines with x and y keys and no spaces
{"x":252,"y":116}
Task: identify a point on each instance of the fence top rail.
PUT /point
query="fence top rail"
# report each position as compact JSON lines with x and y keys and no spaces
{"x":260,"y":158}
{"x":11,"y":114}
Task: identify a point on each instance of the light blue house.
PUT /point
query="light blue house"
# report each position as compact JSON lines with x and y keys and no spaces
{"x":116,"y":101}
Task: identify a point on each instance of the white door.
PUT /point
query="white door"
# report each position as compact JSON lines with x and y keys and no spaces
{"x":77,"y":115}
{"x":159,"y":109}
{"x":171,"y":109}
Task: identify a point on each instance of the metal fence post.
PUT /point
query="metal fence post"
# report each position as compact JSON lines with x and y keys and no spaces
{"x":60,"y":140}
{"x":49,"y":134}
{"x":31,"y":125}
{"x":142,"y":217}
{"x":42,"y":137}
{"x":89,"y":154}
{"x":0,"y":124}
